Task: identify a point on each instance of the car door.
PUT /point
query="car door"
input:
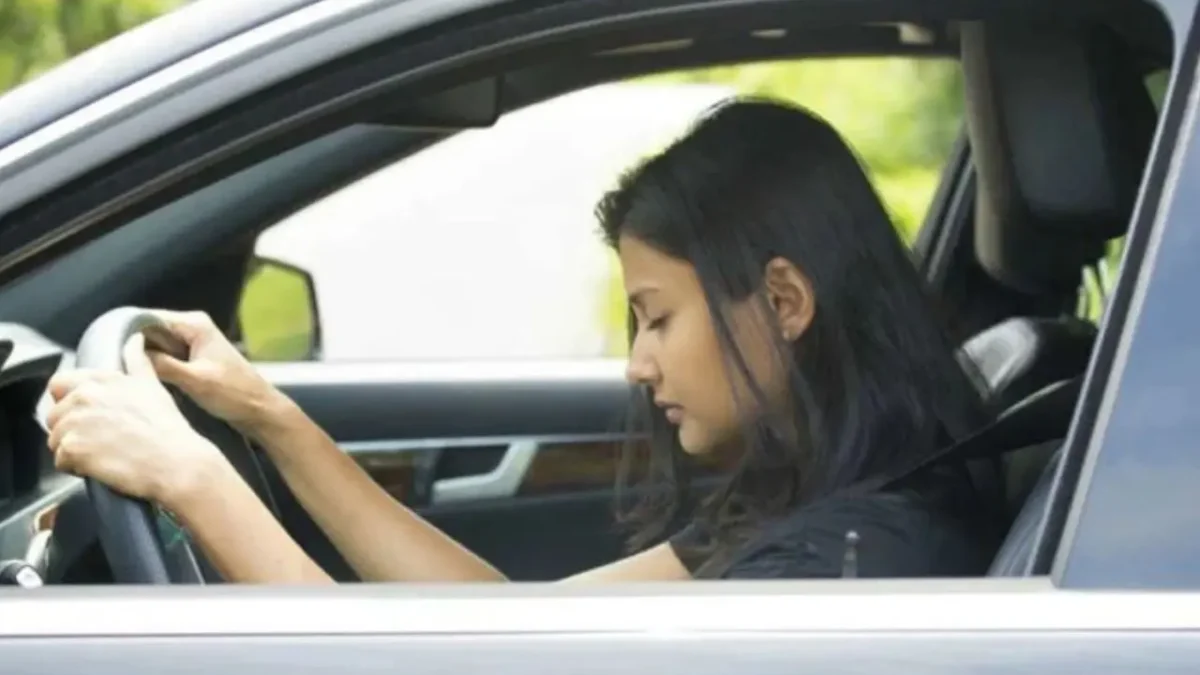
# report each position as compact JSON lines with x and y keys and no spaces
{"x":500,"y":424}
{"x":1123,"y":524}
{"x":517,"y":463}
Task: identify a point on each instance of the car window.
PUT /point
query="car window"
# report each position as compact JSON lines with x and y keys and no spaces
{"x":408,"y":263}
{"x":1098,"y":280}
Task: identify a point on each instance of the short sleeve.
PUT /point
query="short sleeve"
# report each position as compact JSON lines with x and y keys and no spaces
{"x":687,"y":544}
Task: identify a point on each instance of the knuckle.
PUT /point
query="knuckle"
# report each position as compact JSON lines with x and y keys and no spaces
{"x":200,"y":318}
{"x":90,"y":392}
{"x":68,"y":445}
{"x":69,"y":459}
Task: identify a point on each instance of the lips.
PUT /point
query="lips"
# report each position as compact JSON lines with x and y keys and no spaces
{"x":673,"y":412}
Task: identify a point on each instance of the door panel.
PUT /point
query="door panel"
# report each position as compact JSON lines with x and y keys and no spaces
{"x":515,"y":461}
{"x":361,"y":403}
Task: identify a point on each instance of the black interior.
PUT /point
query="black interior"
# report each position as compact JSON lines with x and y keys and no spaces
{"x":1020,"y":355}
{"x":1060,"y":124}
{"x":1058,"y":128}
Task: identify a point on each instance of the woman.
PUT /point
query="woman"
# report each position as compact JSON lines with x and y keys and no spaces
{"x":782,"y":333}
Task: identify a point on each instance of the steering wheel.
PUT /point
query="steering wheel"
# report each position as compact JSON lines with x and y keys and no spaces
{"x":128,"y":528}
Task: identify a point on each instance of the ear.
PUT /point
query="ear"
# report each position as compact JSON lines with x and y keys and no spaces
{"x":790,"y":294}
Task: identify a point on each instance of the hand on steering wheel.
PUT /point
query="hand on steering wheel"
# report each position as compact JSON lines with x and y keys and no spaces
{"x":125,"y":431}
{"x":117,"y":425}
{"x":213,"y":373}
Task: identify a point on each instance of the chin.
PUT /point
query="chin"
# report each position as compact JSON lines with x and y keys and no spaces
{"x":692,"y":442}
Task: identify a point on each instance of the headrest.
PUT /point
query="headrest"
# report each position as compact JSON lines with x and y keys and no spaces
{"x":1060,"y":123}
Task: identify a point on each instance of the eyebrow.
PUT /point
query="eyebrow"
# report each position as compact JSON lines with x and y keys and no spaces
{"x":638,"y":297}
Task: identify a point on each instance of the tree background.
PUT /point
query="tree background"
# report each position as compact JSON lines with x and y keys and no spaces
{"x":901,"y":115}
{"x":36,"y":35}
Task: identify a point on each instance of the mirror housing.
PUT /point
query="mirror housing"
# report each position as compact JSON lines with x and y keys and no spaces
{"x":277,"y":315}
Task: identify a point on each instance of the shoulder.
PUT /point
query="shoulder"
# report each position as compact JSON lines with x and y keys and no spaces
{"x":898,"y":535}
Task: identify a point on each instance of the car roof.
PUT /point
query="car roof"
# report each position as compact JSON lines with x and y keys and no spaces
{"x":129,"y":57}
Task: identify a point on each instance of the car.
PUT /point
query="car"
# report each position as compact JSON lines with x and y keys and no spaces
{"x":145,"y":172}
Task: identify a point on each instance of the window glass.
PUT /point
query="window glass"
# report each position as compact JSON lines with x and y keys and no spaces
{"x":1098,"y":281}
{"x":485,"y":245}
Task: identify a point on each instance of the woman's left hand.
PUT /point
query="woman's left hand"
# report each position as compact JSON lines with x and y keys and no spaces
{"x":125,"y":431}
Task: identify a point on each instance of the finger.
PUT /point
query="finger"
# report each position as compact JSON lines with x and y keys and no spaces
{"x":61,"y":429}
{"x":137,"y":363}
{"x":59,"y":411}
{"x":63,"y":461}
{"x":170,"y":369}
{"x":78,"y":398}
{"x":63,"y":383}
{"x":187,"y":326}
{"x":68,"y":458}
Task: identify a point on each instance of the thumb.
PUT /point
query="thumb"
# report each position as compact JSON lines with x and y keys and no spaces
{"x":137,"y":363}
{"x":170,"y":369}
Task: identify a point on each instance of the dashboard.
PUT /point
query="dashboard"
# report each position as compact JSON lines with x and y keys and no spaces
{"x":46,"y":520}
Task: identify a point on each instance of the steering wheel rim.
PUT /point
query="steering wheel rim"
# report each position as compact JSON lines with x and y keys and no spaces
{"x":125,"y":525}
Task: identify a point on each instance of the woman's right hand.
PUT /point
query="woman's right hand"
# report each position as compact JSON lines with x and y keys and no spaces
{"x":216,"y":375}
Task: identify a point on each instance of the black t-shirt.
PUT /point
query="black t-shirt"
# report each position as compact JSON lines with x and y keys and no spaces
{"x":899,"y":535}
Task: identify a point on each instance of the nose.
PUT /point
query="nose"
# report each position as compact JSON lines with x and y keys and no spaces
{"x":642,"y":368}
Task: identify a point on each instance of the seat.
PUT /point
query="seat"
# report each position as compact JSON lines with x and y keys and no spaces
{"x":1060,"y":125}
{"x":1015,"y":557}
{"x":1047,"y":416}
{"x":1019,"y":358}
{"x":1022,"y":355}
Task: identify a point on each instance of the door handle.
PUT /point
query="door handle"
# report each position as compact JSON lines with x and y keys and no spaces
{"x":502,"y":481}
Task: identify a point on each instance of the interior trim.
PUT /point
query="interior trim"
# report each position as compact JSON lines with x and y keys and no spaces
{"x":502,"y":481}
{"x":828,"y":607}
{"x":402,"y":445}
{"x":442,"y":372}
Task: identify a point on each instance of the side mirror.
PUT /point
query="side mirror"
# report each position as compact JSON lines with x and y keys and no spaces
{"x":277,"y":317}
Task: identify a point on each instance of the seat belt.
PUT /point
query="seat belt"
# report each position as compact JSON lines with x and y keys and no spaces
{"x":1034,"y":421}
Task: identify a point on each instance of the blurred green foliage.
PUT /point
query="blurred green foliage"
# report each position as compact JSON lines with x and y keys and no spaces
{"x":901,"y":115}
{"x":1098,"y":283}
{"x":36,"y":35}
{"x":276,"y":315}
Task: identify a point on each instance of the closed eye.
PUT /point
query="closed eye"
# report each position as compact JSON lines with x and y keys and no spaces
{"x":659,"y":323}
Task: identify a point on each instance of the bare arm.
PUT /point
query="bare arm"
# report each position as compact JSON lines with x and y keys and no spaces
{"x":239,"y":535}
{"x":654,"y":564}
{"x":382,"y":539}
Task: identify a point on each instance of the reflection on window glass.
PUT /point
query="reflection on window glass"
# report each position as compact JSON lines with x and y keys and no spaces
{"x":1156,"y":84}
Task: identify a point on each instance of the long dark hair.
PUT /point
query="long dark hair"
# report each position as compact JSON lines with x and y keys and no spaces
{"x":875,"y":379}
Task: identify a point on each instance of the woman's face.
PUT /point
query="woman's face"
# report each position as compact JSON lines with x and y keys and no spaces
{"x":676,"y":351}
